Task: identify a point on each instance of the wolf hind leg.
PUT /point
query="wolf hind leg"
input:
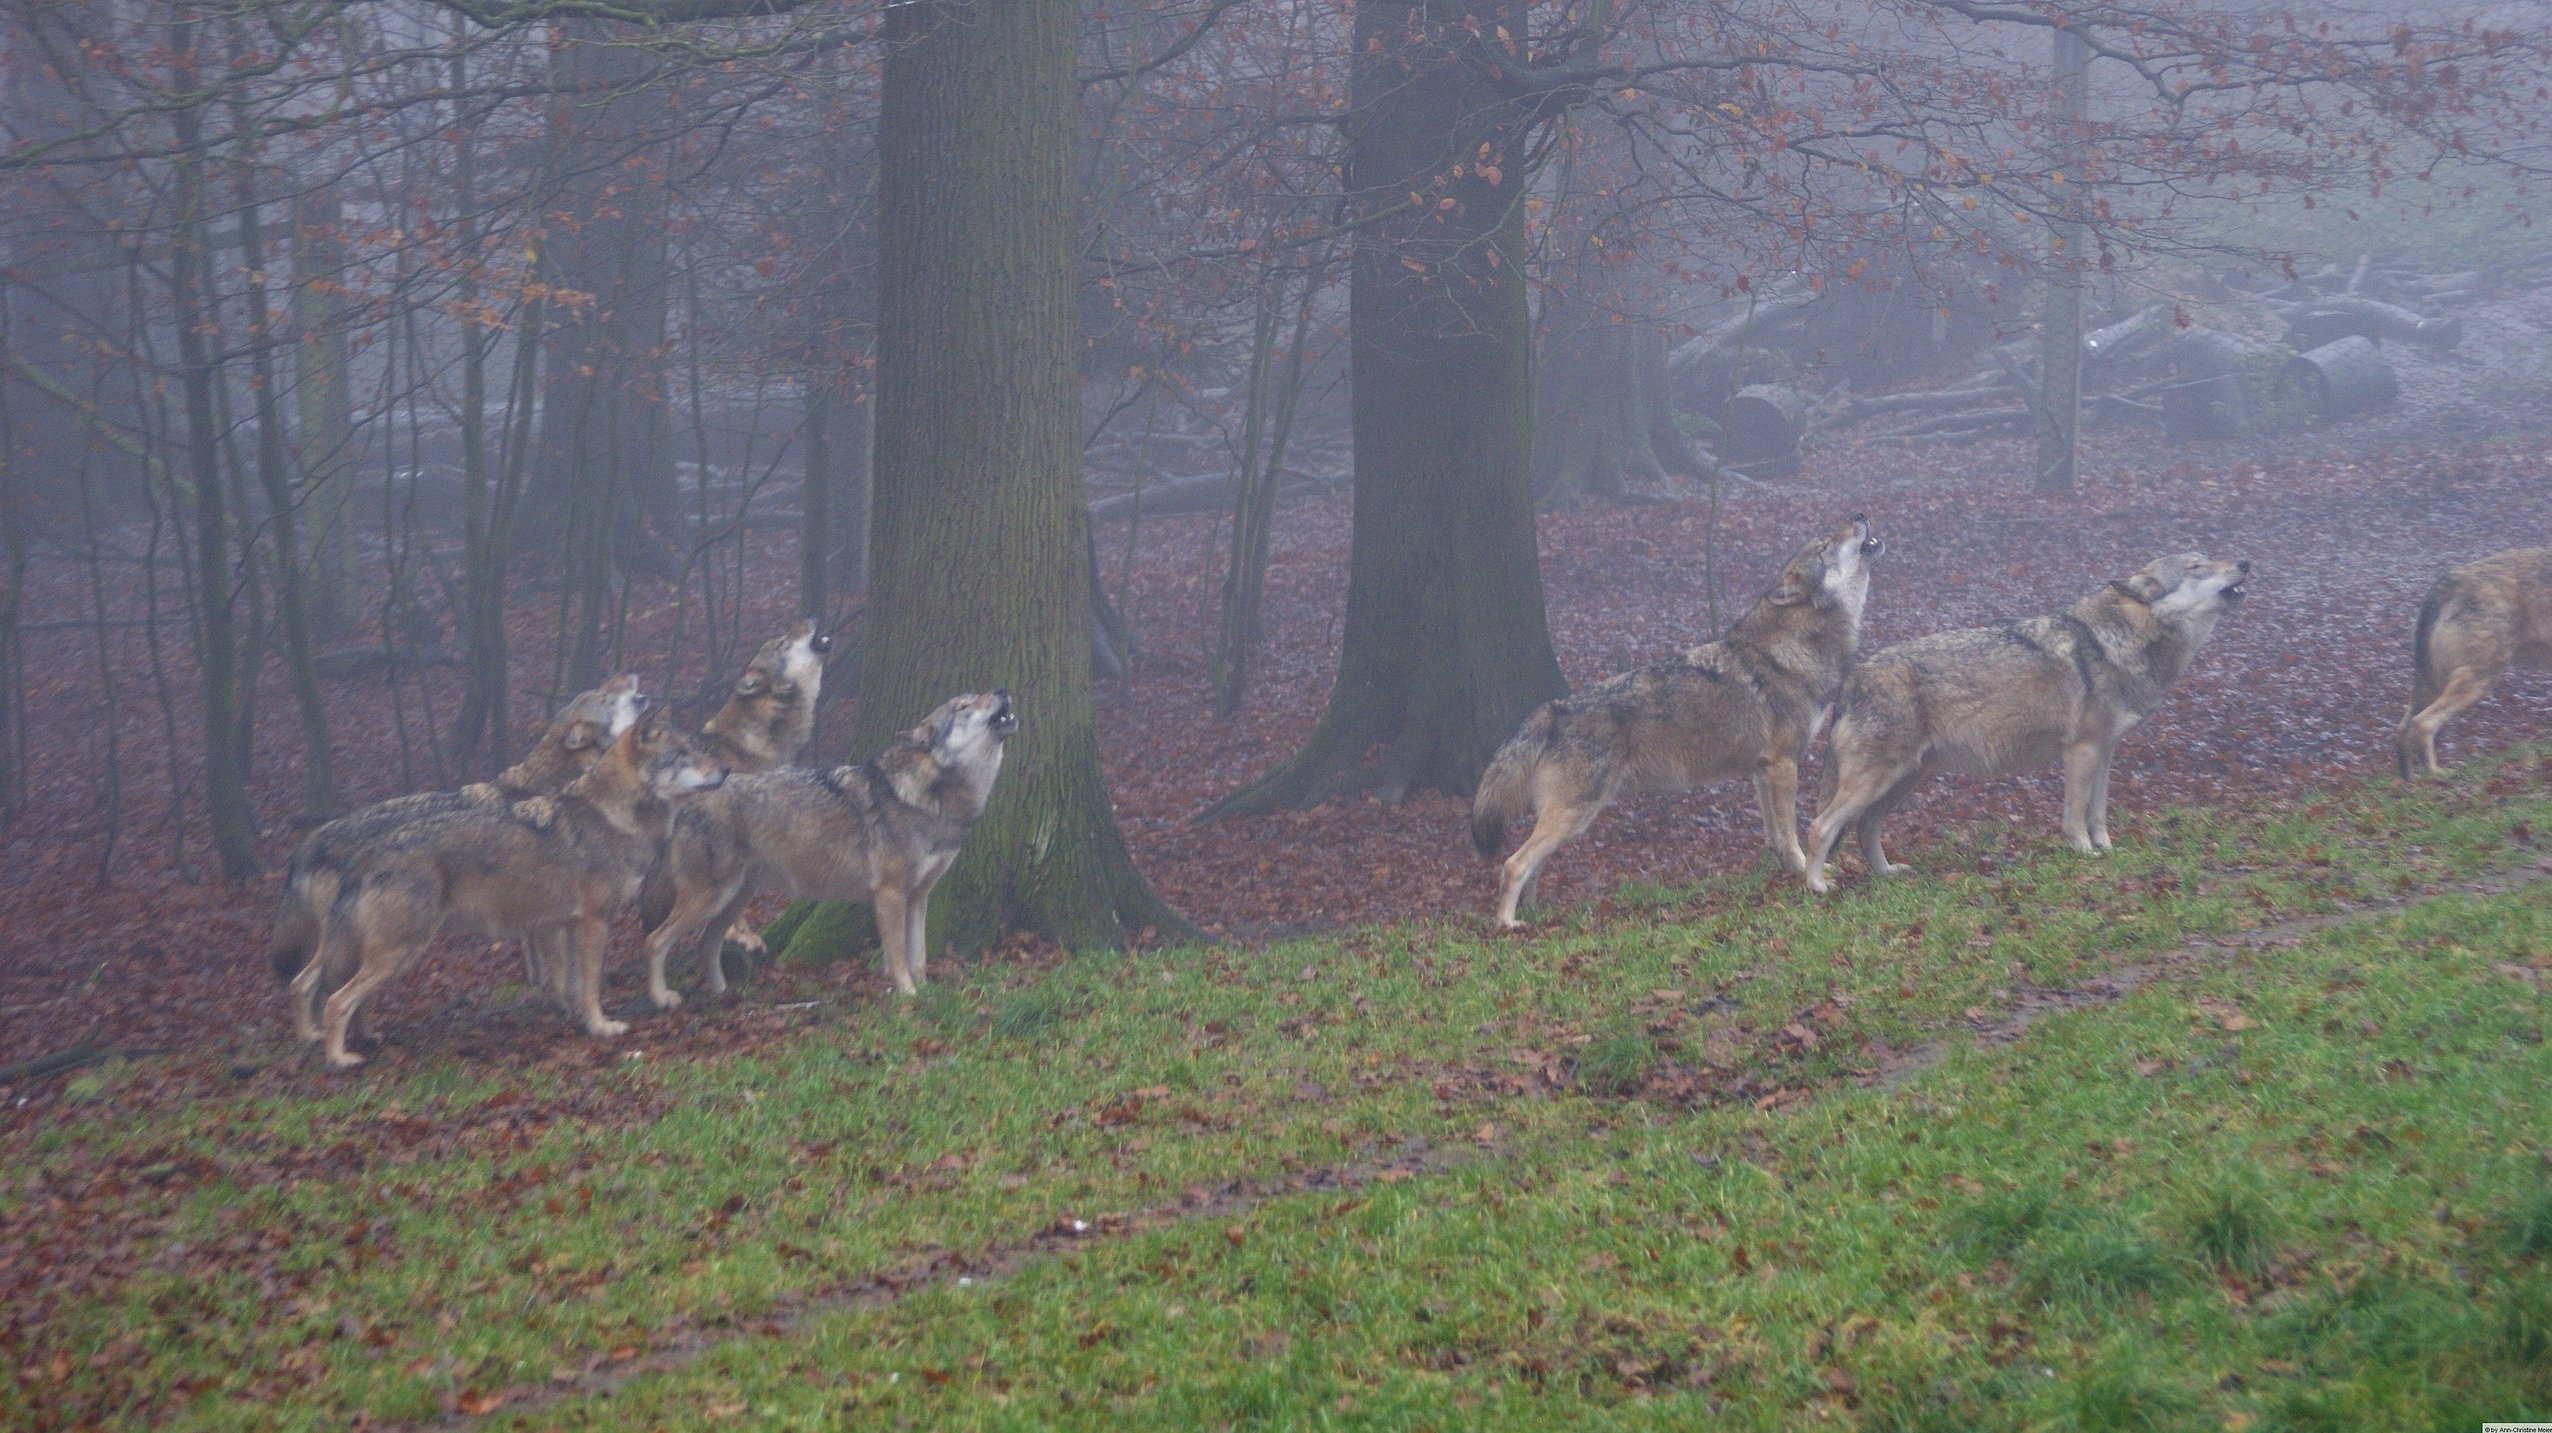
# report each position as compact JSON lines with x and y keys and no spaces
{"x":1554,"y":825}
{"x":2417,"y":740}
{"x":1873,"y":823}
{"x":1858,"y":786}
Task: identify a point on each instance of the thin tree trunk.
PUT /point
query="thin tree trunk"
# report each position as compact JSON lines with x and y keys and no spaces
{"x":1254,"y":501}
{"x":979,"y":561}
{"x":1446,"y":646}
{"x":815,"y":501}
{"x":2059,"y":416}
{"x":326,"y":396}
{"x":274,"y":477}
{"x":234,"y":825}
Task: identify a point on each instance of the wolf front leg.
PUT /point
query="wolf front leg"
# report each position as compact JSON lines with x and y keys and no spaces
{"x":2100,"y":799}
{"x":1777,"y":788}
{"x":895,"y":934}
{"x":592,"y":934}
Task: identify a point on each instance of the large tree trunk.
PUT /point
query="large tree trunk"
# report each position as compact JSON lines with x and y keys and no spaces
{"x":979,"y":557}
{"x":1446,"y":647}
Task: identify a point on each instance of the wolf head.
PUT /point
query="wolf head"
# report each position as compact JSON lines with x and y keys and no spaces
{"x":2188,"y":586}
{"x":1833,"y":570}
{"x":770,"y":713}
{"x":953,"y":756}
{"x":787,"y":665}
{"x":662,"y":762}
{"x":965,"y":730}
{"x":597,"y":718}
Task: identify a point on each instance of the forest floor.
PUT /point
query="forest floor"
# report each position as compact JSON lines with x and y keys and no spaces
{"x":2347,"y":527}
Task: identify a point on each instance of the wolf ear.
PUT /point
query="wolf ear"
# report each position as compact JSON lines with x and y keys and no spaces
{"x":2143,"y":587}
{"x":1790,"y":593}
{"x":748,"y":684}
{"x":579,"y":737}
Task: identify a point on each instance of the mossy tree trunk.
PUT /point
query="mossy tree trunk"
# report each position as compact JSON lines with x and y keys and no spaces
{"x":979,"y":556}
{"x":1446,"y":648}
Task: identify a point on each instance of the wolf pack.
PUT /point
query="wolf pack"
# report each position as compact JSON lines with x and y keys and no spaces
{"x":614,"y":807}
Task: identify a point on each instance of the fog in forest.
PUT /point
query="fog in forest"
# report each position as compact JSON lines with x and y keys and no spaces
{"x":1272,"y":395}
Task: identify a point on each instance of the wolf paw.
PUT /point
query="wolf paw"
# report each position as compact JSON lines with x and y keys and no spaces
{"x":665,"y":997}
{"x":606,"y":1029}
{"x":745,"y":938}
{"x":347,"y":1061}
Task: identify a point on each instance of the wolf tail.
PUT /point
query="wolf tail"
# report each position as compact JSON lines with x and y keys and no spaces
{"x":655,"y":896}
{"x":308,"y":891}
{"x":1506,"y":788}
{"x":2423,"y":680}
{"x":296,"y":936}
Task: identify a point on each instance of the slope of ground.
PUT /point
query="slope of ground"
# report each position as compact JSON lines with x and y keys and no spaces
{"x":2239,"y":1128}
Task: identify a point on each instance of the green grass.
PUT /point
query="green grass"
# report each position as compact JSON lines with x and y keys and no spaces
{"x":1665,"y":1161}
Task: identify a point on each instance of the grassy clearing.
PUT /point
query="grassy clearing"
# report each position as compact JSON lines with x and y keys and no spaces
{"x":1673,"y":1158}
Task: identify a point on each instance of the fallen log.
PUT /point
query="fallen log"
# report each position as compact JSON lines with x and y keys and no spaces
{"x":2137,"y":330}
{"x":1782,"y":300}
{"x":2343,"y":379}
{"x":1194,"y":495}
{"x":2343,"y":315}
{"x":1854,"y":410}
{"x":2210,"y":400}
{"x":1762,"y":423}
{"x":1960,"y":425}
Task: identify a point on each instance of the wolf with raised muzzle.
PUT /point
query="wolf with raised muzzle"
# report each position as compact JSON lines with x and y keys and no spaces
{"x":883,"y":831}
{"x":551,"y":868}
{"x":2480,"y":620}
{"x":1990,"y":701}
{"x":1745,"y":705}
{"x":766,"y":720}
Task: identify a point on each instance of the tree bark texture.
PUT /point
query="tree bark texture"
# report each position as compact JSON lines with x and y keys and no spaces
{"x":1446,"y":647}
{"x":979,"y":554}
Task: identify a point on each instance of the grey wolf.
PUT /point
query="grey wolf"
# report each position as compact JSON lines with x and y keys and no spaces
{"x":883,"y":831}
{"x":770,"y":711}
{"x":1994,"y":700}
{"x":554,"y":867}
{"x":1744,"y":705}
{"x":768,"y":718}
{"x":2479,"y":620}
{"x":583,"y":730}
